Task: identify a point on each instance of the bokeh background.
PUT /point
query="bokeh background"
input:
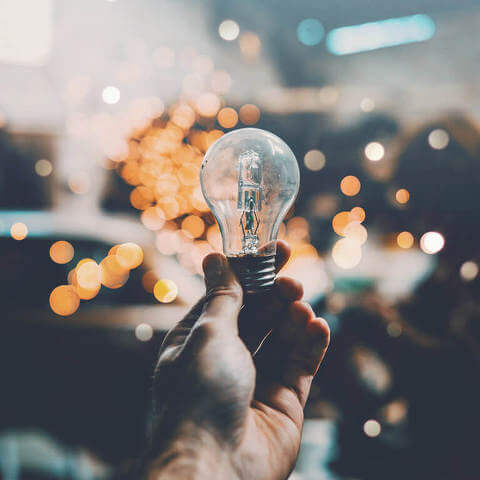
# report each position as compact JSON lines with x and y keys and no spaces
{"x":106,"y":110}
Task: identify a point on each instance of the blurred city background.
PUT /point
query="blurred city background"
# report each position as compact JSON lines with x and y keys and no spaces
{"x":106,"y":110}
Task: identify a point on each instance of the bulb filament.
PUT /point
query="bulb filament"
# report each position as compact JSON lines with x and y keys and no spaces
{"x":249,"y":198}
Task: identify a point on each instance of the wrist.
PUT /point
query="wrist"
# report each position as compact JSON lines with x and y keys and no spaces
{"x":191,"y":454}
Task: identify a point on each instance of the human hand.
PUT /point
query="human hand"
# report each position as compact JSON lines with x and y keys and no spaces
{"x":222,"y":412}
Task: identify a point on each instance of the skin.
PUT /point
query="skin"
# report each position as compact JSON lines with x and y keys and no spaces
{"x":229,"y":402}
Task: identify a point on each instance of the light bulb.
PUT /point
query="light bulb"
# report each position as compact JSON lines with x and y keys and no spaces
{"x":250,"y":178}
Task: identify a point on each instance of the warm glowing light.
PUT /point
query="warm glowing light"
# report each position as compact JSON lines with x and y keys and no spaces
{"x":144,"y":332}
{"x":297,"y":229}
{"x":357,"y":214}
{"x":141,"y":198}
{"x":43,"y":167}
{"x":250,"y":45}
{"x":79,"y":183}
{"x":18,"y":231}
{"x":112,"y":273}
{"x":165,"y":290}
{"x":193,"y":225}
{"x":153,"y":218}
{"x":432,"y":242}
{"x":356,"y":232}
{"x":61,"y":252}
{"x":395,"y":412}
{"x":64,"y":300}
{"x":129,"y":255}
{"x":314,"y":160}
{"x":214,"y":237}
{"x":405,"y":240}
{"x":340,"y":221}
{"x":88,"y":274}
{"x":249,"y":114}
{"x":203,"y":64}
{"x":227,"y":117}
{"x":310,"y":32}
{"x":346,"y":253}
{"x":165,"y":243}
{"x":469,"y":271}
{"x":111,"y":95}
{"x":208,"y":104}
{"x":149,"y":279}
{"x":402,"y":195}
{"x":229,"y":30}
{"x":372,"y":428}
{"x":374,"y":151}
{"x":350,"y":185}
{"x":367,"y":105}
{"x":438,"y":139}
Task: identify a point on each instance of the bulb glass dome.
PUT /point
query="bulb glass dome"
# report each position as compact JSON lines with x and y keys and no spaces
{"x":249,"y":178}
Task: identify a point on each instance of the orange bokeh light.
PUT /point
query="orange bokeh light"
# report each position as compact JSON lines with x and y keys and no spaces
{"x":19,"y":231}
{"x":64,"y":300}
{"x":61,"y":252}
{"x":249,"y":114}
{"x":350,"y":185}
{"x":227,"y":117}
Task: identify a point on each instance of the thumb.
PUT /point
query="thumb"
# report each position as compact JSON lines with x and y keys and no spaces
{"x":223,"y":298}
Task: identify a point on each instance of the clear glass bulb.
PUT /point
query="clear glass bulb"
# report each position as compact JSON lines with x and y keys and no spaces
{"x":250,"y":178}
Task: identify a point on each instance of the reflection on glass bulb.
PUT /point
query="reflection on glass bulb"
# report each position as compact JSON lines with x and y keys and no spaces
{"x":250,"y":178}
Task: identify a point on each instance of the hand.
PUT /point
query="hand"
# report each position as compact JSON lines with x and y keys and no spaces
{"x":221,"y":412}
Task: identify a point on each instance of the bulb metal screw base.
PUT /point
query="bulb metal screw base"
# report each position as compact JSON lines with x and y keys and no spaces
{"x":255,"y":272}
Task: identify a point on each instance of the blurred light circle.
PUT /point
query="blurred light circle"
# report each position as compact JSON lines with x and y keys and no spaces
{"x":61,"y":252}
{"x":112,"y":273}
{"x":402,"y":196}
{"x":79,"y":183}
{"x":18,"y":231}
{"x":64,"y":300}
{"x":208,"y":104}
{"x":350,"y":185}
{"x":141,"y":198}
{"x":438,"y":139}
{"x":193,"y":225}
{"x":314,"y":160}
{"x":249,"y":114}
{"x":357,"y":214}
{"x":250,"y":45}
{"x":346,"y":253}
{"x":367,"y":105}
{"x":394,"y":329}
{"x":227,"y":117}
{"x":229,"y":30}
{"x":144,"y":332}
{"x":372,"y":428}
{"x":310,"y":32}
{"x":356,"y":232}
{"x":43,"y":167}
{"x":165,"y":290}
{"x":432,"y":242}
{"x":129,"y":255}
{"x":374,"y":151}
{"x":340,"y":221}
{"x":405,"y":240}
{"x":153,"y":218}
{"x":468,"y":271}
{"x":111,"y":95}
{"x":88,"y":275}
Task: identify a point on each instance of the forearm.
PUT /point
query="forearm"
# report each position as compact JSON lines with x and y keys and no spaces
{"x":192,"y":455}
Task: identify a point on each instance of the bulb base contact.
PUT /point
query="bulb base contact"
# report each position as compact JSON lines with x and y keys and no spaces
{"x":255,"y":272}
